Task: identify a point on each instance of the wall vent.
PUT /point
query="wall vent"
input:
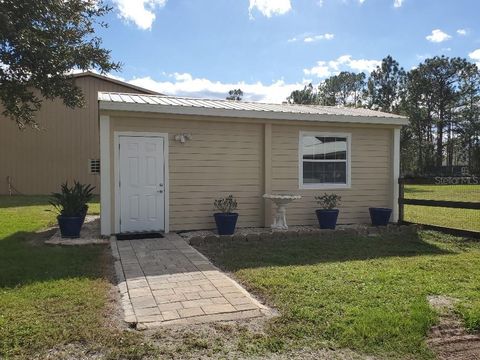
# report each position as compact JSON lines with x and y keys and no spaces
{"x":94,"y":166}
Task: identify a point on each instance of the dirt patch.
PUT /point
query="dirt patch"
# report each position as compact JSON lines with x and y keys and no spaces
{"x":234,"y":340}
{"x":449,"y":339}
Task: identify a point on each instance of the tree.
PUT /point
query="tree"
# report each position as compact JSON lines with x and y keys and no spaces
{"x":307,"y":96}
{"x":342,"y":89}
{"x":41,"y":41}
{"x":385,"y":86}
{"x":441,"y":76}
{"x":235,"y":94}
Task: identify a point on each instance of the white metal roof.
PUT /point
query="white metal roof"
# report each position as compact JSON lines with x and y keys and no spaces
{"x":243,"y":109}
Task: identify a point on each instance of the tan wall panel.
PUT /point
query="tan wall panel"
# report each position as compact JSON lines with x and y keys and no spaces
{"x":226,"y":156}
{"x":221,"y":158}
{"x":370,"y":166}
{"x":38,"y":161}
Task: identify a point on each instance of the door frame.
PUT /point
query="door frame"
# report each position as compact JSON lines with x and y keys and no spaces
{"x":116,"y":171}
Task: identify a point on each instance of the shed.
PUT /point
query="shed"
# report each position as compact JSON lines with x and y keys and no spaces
{"x":165,"y":159}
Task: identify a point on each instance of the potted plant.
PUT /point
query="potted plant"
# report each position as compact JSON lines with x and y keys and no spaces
{"x":226,"y":218}
{"x":380,"y":216}
{"x":71,"y":206}
{"x":327,"y":214}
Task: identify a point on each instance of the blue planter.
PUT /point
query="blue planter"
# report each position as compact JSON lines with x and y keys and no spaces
{"x":226,"y":223}
{"x":380,"y":216}
{"x":327,"y":219}
{"x":70,"y":226}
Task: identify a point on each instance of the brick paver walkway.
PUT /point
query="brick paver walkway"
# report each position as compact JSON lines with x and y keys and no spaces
{"x":166,"y":281}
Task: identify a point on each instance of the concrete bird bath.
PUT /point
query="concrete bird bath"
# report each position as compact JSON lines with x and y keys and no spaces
{"x":281,"y":201}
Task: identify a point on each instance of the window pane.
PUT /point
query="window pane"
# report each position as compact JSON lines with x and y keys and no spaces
{"x":308,"y":177}
{"x":313,"y":148}
{"x":340,"y":173}
{"x":341,"y":148}
{"x":324,"y":172}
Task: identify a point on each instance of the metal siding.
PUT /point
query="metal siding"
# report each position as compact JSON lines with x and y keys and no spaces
{"x":39,"y":161}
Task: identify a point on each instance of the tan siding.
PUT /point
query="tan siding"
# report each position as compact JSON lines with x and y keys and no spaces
{"x":371,"y":173}
{"x":227,"y":156}
{"x":221,"y":158}
{"x":39,"y":161}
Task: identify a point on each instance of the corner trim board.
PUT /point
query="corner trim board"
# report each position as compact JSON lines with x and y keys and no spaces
{"x":105,"y":200}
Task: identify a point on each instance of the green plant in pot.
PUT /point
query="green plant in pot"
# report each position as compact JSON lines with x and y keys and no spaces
{"x":71,"y":207}
{"x":226,"y":217}
{"x":327,"y":215}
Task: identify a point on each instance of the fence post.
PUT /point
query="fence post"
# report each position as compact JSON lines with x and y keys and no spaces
{"x":401,"y":191}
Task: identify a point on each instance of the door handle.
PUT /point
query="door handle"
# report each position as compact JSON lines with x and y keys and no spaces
{"x":160,"y":191}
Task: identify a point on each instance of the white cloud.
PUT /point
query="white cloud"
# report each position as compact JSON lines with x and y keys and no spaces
{"x":185,"y":84}
{"x":462,"y":32}
{"x":345,"y":62}
{"x":270,"y":7}
{"x":475,"y":56}
{"x":397,"y":3}
{"x":140,"y":12}
{"x":437,"y":36}
{"x":314,"y":38}
{"x":308,"y":37}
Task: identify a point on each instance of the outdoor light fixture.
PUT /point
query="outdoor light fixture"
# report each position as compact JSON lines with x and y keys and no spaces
{"x":183,"y":137}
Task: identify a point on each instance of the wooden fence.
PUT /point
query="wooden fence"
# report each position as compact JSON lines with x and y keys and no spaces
{"x":471,"y":182}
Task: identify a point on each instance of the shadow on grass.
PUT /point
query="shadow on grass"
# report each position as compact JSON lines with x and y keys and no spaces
{"x":25,"y":259}
{"x":7,"y":201}
{"x":234,"y":256}
{"x":414,"y":190}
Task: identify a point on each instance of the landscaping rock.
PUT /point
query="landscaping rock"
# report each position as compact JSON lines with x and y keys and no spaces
{"x":210,"y":239}
{"x":290,"y":234}
{"x":239,"y":238}
{"x":253,"y":237}
{"x":266,"y":236}
{"x":196,"y":240}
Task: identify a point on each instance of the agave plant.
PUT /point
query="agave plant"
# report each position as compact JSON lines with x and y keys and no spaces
{"x":72,"y":200}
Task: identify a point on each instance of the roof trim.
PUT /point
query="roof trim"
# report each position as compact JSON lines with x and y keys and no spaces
{"x":115,"y":81}
{"x":235,"y":113}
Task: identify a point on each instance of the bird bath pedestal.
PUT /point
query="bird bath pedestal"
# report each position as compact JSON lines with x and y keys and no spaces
{"x":281,"y":201}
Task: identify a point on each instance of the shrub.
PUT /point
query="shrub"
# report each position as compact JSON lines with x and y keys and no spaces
{"x":328,"y":201}
{"x":226,"y":205}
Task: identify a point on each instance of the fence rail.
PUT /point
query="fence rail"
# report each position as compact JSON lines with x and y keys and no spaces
{"x":440,"y":187}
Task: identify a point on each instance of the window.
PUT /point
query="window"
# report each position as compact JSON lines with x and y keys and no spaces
{"x":94,"y":166}
{"x":324,"y":160}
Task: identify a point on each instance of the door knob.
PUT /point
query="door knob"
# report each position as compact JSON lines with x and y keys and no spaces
{"x":160,"y":191}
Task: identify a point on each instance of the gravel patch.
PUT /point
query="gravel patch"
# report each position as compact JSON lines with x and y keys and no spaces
{"x":90,"y":234}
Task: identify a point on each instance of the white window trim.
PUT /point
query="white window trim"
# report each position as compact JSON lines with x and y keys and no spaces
{"x":325,"y":186}
{"x":116,"y":168}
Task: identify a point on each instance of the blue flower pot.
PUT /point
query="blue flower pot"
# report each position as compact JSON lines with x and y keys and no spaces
{"x":327,"y":219}
{"x":226,"y":223}
{"x":70,"y":226}
{"x":380,"y":216}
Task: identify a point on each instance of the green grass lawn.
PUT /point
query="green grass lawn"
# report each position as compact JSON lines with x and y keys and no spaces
{"x":53,"y":295}
{"x":465,"y":219}
{"x":367,"y":294}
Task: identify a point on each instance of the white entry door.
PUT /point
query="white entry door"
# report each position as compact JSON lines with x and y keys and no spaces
{"x":142,"y":183}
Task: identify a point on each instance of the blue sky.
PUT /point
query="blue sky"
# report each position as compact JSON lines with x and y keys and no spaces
{"x":270,"y":47}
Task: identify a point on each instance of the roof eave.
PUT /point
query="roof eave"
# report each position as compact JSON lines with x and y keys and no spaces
{"x":115,"y":81}
{"x":271,"y":115}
